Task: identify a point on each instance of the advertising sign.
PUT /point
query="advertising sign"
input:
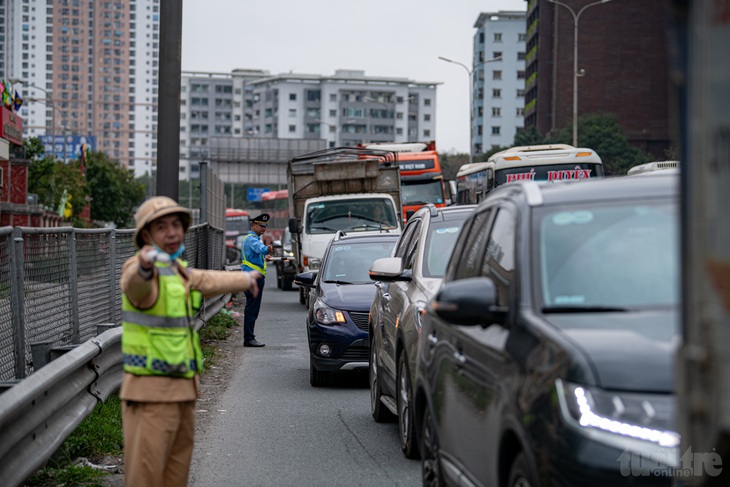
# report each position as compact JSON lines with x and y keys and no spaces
{"x":254,"y":194}
{"x":67,"y":146}
{"x":11,"y":128}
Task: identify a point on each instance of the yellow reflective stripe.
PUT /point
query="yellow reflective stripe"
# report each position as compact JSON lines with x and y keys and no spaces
{"x":251,"y":264}
{"x":155,"y":321}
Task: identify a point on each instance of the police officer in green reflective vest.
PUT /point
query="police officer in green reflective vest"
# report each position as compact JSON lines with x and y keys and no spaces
{"x":160,"y":347}
{"x":254,"y":255}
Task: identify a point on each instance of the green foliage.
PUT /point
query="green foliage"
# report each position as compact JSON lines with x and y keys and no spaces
{"x":114,"y":191}
{"x":99,"y":435}
{"x":52,"y":180}
{"x":603,"y":134}
{"x":217,"y":328}
{"x":450,"y":164}
{"x":34,"y":149}
{"x":528,"y":136}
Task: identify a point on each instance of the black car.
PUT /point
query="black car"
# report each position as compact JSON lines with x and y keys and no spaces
{"x":547,"y":355}
{"x":406,"y":282}
{"x":339,"y":302}
{"x":285,"y":263}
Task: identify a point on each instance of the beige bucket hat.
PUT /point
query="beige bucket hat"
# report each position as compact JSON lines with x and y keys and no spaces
{"x":155,"y":208}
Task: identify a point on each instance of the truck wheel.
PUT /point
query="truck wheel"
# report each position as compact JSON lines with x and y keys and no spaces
{"x":286,"y":283}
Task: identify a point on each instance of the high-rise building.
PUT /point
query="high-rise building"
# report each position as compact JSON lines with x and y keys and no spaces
{"x":498,"y":80}
{"x":622,"y":67}
{"x":87,"y":71}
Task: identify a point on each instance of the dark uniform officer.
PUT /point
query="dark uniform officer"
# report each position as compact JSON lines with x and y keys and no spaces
{"x":254,"y":256}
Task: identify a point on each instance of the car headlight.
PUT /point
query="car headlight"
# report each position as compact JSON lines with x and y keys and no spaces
{"x":326,"y":315}
{"x":635,"y":422}
{"x":288,"y":253}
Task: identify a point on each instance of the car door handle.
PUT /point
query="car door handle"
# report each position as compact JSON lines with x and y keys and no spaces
{"x":460,"y":359}
{"x":432,"y":340}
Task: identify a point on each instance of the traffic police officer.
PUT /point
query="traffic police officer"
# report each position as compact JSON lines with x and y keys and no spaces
{"x":254,"y":257}
{"x":160,"y":347}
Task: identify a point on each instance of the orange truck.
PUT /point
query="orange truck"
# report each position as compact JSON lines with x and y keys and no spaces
{"x":420,"y":174}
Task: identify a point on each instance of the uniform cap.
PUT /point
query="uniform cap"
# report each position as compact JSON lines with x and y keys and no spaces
{"x":262,"y":219}
{"x":155,"y":208}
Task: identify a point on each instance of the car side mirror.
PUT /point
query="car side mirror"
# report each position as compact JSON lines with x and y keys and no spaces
{"x":305,"y":279}
{"x":468,"y":302}
{"x":389,"y":269}
{"x":294,"y":226}
{"x":409,"y":214}
{"x":276,"y":243}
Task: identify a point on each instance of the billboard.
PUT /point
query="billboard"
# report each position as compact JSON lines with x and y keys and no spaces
{"x":66,"y":147}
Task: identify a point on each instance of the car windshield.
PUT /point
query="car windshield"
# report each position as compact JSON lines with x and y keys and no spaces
{"x":609,"y":257}
{"x":349,"y":262}
{"x":439,"y":243}
{"x":421,"y":192}
{"x":350,"y":216}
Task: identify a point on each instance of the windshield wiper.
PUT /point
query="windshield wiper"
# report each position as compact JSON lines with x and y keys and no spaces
{"x":337,"y":282}
{"x":582,"y":309}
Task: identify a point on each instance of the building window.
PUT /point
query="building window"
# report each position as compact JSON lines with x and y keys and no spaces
{"x":427,"y":133}
{"x":497,"y":93}
{"x":292,"y":113}
{"x":520,"y":112}
{"x":426,"y":102}
{"x":521,"y":37}
{"x":426,"y":117}
{"x":495,"y":130}
{"x":333,"y":97}
{"x":292,"y":129}
{"x":496,"y":112}
{"x":292,"y":97}
{"x":520,"y":93}
{"x":520,"y":56}
{"x":496,"y":74}
{"x":497,"y":37}
{"x":520,"y":75}
{"x":496,"y":54}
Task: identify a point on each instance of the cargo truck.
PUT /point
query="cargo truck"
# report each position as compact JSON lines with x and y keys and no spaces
{"x":340,"y":189}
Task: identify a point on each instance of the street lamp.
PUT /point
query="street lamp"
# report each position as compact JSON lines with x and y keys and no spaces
{"x":471,"y":97}
{"x":53,"y":112}
{"x":576,"y":73}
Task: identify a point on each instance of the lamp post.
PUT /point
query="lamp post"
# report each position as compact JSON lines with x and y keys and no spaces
{"x":53,"y":112}
{"x":576,"y":73}
{"x":469,"y":73}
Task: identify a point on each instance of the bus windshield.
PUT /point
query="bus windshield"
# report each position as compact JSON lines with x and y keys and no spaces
{"x":550,"y":173}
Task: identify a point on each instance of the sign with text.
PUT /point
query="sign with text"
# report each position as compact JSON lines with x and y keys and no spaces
{"x":254,"y":194}
{"x":67,"y":146}
{"x":11,"y":128}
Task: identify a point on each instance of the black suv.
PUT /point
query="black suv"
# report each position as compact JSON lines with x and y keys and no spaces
{"x":339,"y":301}
{"x":406,"y":282}
{"x":547,"y":355}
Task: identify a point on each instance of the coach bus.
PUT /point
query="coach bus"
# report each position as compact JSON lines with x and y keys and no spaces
{"x":421,"y":180}
{"x":542,"y":163}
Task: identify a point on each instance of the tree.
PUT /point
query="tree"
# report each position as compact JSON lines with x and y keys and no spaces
{"x":529,"y":136}
{"x":114,"y":191}
{"x":54,"y":181}
{"x":602,"y":133}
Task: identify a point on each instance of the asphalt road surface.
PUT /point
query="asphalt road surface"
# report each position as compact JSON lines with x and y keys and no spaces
{"x":271,"y":428}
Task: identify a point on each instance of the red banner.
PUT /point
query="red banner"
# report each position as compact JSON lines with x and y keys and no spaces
{"x":12,"y":127}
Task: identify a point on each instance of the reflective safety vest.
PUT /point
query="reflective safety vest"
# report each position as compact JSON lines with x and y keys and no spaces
{"x":247,"y":262}
{"x":161,"y":340}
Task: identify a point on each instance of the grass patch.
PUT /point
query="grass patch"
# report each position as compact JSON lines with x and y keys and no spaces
{"x":218,"y":328}
{"x":99,"y":435}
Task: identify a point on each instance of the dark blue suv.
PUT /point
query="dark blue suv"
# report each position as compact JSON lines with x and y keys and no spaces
{"x":340,"y":296}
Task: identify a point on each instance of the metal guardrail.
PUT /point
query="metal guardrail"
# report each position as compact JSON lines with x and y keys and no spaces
{"x":38,"y":413}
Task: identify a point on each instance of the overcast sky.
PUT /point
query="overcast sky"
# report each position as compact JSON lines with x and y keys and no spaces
{"x":395,"y":38}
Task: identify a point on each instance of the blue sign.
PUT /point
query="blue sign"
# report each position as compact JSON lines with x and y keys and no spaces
{"x":254,"y":194}
{"x":67,"y":146}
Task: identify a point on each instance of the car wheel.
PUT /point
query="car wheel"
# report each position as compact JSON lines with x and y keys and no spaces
{"x":286,"y":284}
{"x":519,"y":473}
{"x":406,"y":429}
{"x":317,"y":378}
{"x":381,"y":414}
{"x":430,"y":463}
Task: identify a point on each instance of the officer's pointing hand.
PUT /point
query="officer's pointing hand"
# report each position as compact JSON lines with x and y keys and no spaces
{"x":254,"y":284}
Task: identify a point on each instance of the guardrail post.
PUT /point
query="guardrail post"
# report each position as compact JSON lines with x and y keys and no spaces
{"x":113,"y":275}
{"x":73,"y":287}
{"x":41,"y":353}
{"x":17,"y":286}
{"x":102,"y":327}
{"x":203,"y":191}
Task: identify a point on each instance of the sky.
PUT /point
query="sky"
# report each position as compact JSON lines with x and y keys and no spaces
{"x":393,"y":38}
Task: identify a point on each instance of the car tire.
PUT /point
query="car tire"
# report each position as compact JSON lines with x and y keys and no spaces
{"x":431,"y":475}
{"x":286,"y":283}
{"x":404,"y":402}
{"x":318,"y":378}
{"x":519,"y":472}
{"x":381,"y":414}
{"x":278,"y":279}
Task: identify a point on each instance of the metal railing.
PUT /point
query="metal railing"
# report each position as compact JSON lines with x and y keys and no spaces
{"x":58,"y":284}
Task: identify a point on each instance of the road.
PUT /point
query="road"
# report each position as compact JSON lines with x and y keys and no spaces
{"x":271,"y":428}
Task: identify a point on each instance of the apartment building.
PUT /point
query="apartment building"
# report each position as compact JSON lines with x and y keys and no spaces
{"x":498,"y":80}
{"x":87,"y":71}
{"x":622,"y":68}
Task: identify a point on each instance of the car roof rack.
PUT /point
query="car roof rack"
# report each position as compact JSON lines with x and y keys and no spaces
{"x":339,"y":235}
{"x":432,"y":209}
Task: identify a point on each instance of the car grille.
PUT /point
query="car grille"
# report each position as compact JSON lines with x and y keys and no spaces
{"x":356,"y":353}
{"x":360,"y":320}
